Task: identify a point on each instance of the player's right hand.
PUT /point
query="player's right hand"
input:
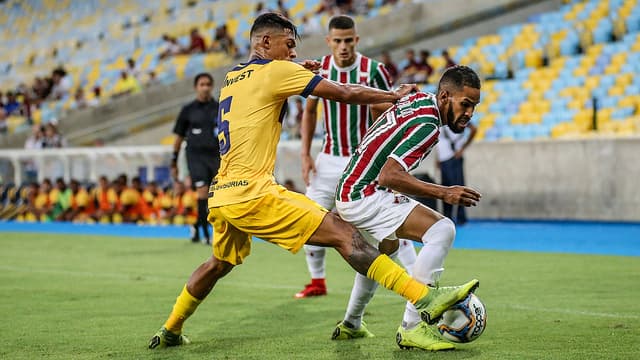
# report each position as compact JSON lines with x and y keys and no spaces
{"x":406,"y":89}
{"x":461,"y":195}
{"x":307,"y":165}
{"x":174,"y":171}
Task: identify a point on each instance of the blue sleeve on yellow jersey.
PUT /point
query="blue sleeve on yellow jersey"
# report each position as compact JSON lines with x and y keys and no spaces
{"x":312,"y":85}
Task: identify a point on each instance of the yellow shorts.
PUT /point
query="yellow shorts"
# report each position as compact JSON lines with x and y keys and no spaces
{"x":281,"y":217}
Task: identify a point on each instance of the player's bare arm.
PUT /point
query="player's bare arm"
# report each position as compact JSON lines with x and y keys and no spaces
{"x":177,"y":144}
{"x":359,"y":94}
{"x":395,"y":177}
{"x":307,"y":128}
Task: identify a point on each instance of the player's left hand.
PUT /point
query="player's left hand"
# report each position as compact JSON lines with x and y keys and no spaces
{"x":458,"y":154}
{"x":461,"y":195}
{"x":311,"y":65}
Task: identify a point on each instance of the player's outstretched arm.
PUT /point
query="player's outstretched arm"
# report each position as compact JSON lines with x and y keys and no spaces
{"x":395,"y":177}
{"x":359,"y":94}
{"x":307,"y":128}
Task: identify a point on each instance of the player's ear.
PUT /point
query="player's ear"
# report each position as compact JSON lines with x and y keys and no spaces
{"x":443,"y":95}
{"x":266,"y":41}
{"x":357,"y":39}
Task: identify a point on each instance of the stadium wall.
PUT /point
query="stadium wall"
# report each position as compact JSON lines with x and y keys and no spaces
{"x":590,"y":179}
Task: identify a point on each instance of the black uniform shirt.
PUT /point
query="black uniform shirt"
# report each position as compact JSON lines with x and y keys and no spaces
{"x":197,"y":124}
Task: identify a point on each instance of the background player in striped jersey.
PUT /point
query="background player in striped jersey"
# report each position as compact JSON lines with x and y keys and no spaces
{"x":369,"y":194}
{"x":344,"y":125}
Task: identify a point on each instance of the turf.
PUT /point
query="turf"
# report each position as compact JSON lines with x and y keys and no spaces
{"x":97,"y":297}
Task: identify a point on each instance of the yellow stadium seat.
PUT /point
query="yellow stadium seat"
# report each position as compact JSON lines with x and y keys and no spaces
{"x":608,"y":127}
{"x":619,"y":59}
{"x":591,"y":82}
{"x":167,"y":140}
{"x":581,"y":71}
{"x":488,"y":86}
{"x":583,"y":117}
{"x":612,"y":69}
{"x":604,"y":114}
{"x":297,"y":9}
{"x":486,"y":67}
{"x":624,"y":79}
{"x":616,"y":91}
{"x":533,"y":58}
{"x":576,"y":105}
{"x":626,"y":101}
{"x":180,"y":63}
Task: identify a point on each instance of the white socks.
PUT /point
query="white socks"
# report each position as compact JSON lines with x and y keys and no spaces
{"x":364,"y":288}
{"x":407,"y":254}
{"x":361,"y":293}
{"x":315,"y":260}
{"x":429,"y":264}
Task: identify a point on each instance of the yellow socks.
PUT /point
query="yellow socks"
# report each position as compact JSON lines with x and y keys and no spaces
{"x":395,"y":278}
{"x":185,"y":305}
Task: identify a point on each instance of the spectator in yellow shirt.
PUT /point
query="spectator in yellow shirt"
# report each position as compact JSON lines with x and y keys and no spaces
{"x":80,"y":207}
{"x":126,"y":85}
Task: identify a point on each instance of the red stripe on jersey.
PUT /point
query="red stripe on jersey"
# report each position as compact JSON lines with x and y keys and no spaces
{"x":364,"y":64}
{"x":364,"y":110}
{"x":362,"y":163}
{"x":412,"y":157}
{"x":385,"y":74}
{"x":344,"y":126}
{"x":327,"y":127}
{"x":326,"y":62}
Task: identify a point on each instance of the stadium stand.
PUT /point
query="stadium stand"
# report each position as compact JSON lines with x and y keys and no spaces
{"x":543,"y":77}
{"x":547,"y":77}
{"x":92,"y":43}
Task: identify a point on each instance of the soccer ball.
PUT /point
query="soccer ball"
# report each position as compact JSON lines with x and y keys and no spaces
{"x":464,"y":321}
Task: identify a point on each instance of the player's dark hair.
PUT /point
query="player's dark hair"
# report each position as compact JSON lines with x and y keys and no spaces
{"x":273,"y":20}
{"x":202,"y":75}
{"x":459,"y":76}
{"x":341,"y":22}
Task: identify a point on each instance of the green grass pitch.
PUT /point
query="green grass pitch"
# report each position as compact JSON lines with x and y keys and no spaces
{"x":95,"y":297}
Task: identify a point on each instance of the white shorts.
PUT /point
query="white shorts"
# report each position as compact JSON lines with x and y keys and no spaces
{"x":379,"y":215}
{"x":322,"y":186}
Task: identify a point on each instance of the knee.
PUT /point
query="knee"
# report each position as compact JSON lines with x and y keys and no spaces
{"x":216,"y":267}
{"x":447,"y":230}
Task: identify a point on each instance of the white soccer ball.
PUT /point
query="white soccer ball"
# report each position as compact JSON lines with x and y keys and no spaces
{"x":464,"y":321}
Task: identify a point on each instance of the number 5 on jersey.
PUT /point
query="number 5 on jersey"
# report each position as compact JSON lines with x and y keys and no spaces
{"x":223,"y":125}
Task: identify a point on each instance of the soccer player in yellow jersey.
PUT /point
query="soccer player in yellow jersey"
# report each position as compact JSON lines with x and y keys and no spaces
{"x":246,"y":201}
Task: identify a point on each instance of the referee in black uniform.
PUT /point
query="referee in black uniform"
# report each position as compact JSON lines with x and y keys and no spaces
{"x":196,"y":124}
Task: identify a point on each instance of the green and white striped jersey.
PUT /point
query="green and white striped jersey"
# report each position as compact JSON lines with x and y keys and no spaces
{"x":346,"y":124}
{"x":406,"y":132}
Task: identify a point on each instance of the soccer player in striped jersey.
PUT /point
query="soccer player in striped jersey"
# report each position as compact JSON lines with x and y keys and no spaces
{"x":344,"y":125}
{"x":246,"y":201}
{"x":370,"y":194}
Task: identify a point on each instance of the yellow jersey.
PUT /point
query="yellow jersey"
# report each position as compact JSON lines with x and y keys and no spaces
{"x":253,"y":102}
